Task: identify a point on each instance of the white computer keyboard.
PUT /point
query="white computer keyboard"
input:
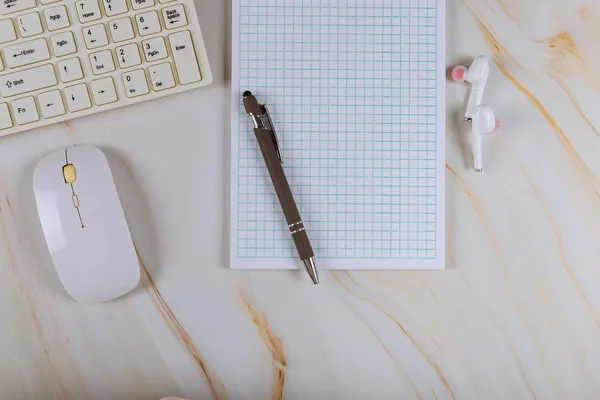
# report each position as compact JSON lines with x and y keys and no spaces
{"x":62,"y":59}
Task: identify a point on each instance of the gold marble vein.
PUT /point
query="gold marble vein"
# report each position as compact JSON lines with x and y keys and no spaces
{"x":215,"y":385}
{"x":272,"y":342}
{"x":397,"y":323}
{"x":588,"y":177}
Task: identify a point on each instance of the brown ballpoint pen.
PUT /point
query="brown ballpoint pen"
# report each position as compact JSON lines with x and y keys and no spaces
{"x":269,"y":147}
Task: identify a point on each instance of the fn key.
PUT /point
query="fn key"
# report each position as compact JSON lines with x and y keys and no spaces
{"x":184,"y":54}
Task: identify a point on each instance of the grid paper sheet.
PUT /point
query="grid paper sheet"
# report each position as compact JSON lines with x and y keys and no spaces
{"x":356,"y":92}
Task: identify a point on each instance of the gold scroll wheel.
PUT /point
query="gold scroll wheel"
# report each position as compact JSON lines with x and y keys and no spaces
{"x":69,"y":173}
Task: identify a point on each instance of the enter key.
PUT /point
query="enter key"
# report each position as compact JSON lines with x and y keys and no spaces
{"x":184,"y":54}
{"x":26,"y":53}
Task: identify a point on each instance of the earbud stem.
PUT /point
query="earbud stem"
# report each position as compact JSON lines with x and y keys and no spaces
{"x":477,"y":150}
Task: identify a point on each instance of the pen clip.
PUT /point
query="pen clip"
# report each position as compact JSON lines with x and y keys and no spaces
{"x":275,"y":138}
{"x":264,"y":121}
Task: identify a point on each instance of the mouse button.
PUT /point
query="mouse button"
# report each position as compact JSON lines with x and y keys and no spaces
{"x":48,"y":172}
{"x":90,"y":168}
{"x":87,"y":155}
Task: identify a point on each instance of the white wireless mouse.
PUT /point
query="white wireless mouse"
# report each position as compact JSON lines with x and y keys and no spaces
{"x":84,"y":224}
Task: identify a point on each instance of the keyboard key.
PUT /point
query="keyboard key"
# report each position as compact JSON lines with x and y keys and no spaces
{"x":141,"y":4}
{"x":88,"y":10}
{"x":165,"y":1}
{"x":70,"y":70}
{"x":135,"y":83}
{"x":13,"y":6}
{"x":121,"y":30}
{"x":102,"y":62}
{"x":148,"y":23}
{"x":57,"y":18}
{"x":5,"y":119}
{"x":162,"y":76}
{"x":30,"y":24}
{"x":184,"y":54}
{"x":51,"y":104}
{"x":104,"y":91}
{"x":26,"y":53}
{"x":44,"y":2}
{"x":128,"y":56}
{"x":115,"y":7}
{"x":1,"y":64}
{"x":78,"y":97}
{"x":7,"y":31}
{"x":28,"y":80}
{"x":63,"y":44}
{"x":25,"y":111}
{"x":154,"y":49}
{"x":95,"y":36}
{"x":174,"y":16}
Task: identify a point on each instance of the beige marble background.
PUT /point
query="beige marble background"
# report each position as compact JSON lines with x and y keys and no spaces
{"x":514,"y":316}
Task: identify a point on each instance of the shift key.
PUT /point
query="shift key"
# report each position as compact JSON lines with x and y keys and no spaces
{"x":27,"y":81}
{"x":184,"y":54}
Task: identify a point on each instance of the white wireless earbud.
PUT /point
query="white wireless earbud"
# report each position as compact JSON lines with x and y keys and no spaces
{"x":484,"y":122}
{"x":477,"y":75}
{"x":483,"y":118}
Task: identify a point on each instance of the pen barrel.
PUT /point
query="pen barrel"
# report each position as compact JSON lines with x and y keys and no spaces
{"x":302,"y":243}
{"x":284,"y":192}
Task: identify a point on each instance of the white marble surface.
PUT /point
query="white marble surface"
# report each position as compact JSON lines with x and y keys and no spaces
{"x":515,"y":315}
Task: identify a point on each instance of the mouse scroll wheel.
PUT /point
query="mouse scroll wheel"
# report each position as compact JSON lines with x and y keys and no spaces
{"x":69,"y":173}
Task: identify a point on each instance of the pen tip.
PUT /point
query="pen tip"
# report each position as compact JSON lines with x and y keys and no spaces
{"x":311,"y":268}
{"x":247,"y":93}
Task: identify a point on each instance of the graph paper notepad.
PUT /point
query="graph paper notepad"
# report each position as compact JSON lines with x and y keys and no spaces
{"x":356,"y":92}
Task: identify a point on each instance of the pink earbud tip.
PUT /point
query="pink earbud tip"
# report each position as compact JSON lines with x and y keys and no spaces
{"x":498,"y":124}
{"x":459,"y":73}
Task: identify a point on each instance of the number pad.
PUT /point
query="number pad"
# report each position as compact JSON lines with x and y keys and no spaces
{"x":95,"y":36}
{"x":155,"y":49}
{"x":135,"y":83}
{"x":88,"y":10}
{"x":162,"y":77}
{"x":102,"y":62}
{"x":148,"y":23}
{"x":128,"y":56}
{"x":115,"y":7}
{"x":121,"y":30}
